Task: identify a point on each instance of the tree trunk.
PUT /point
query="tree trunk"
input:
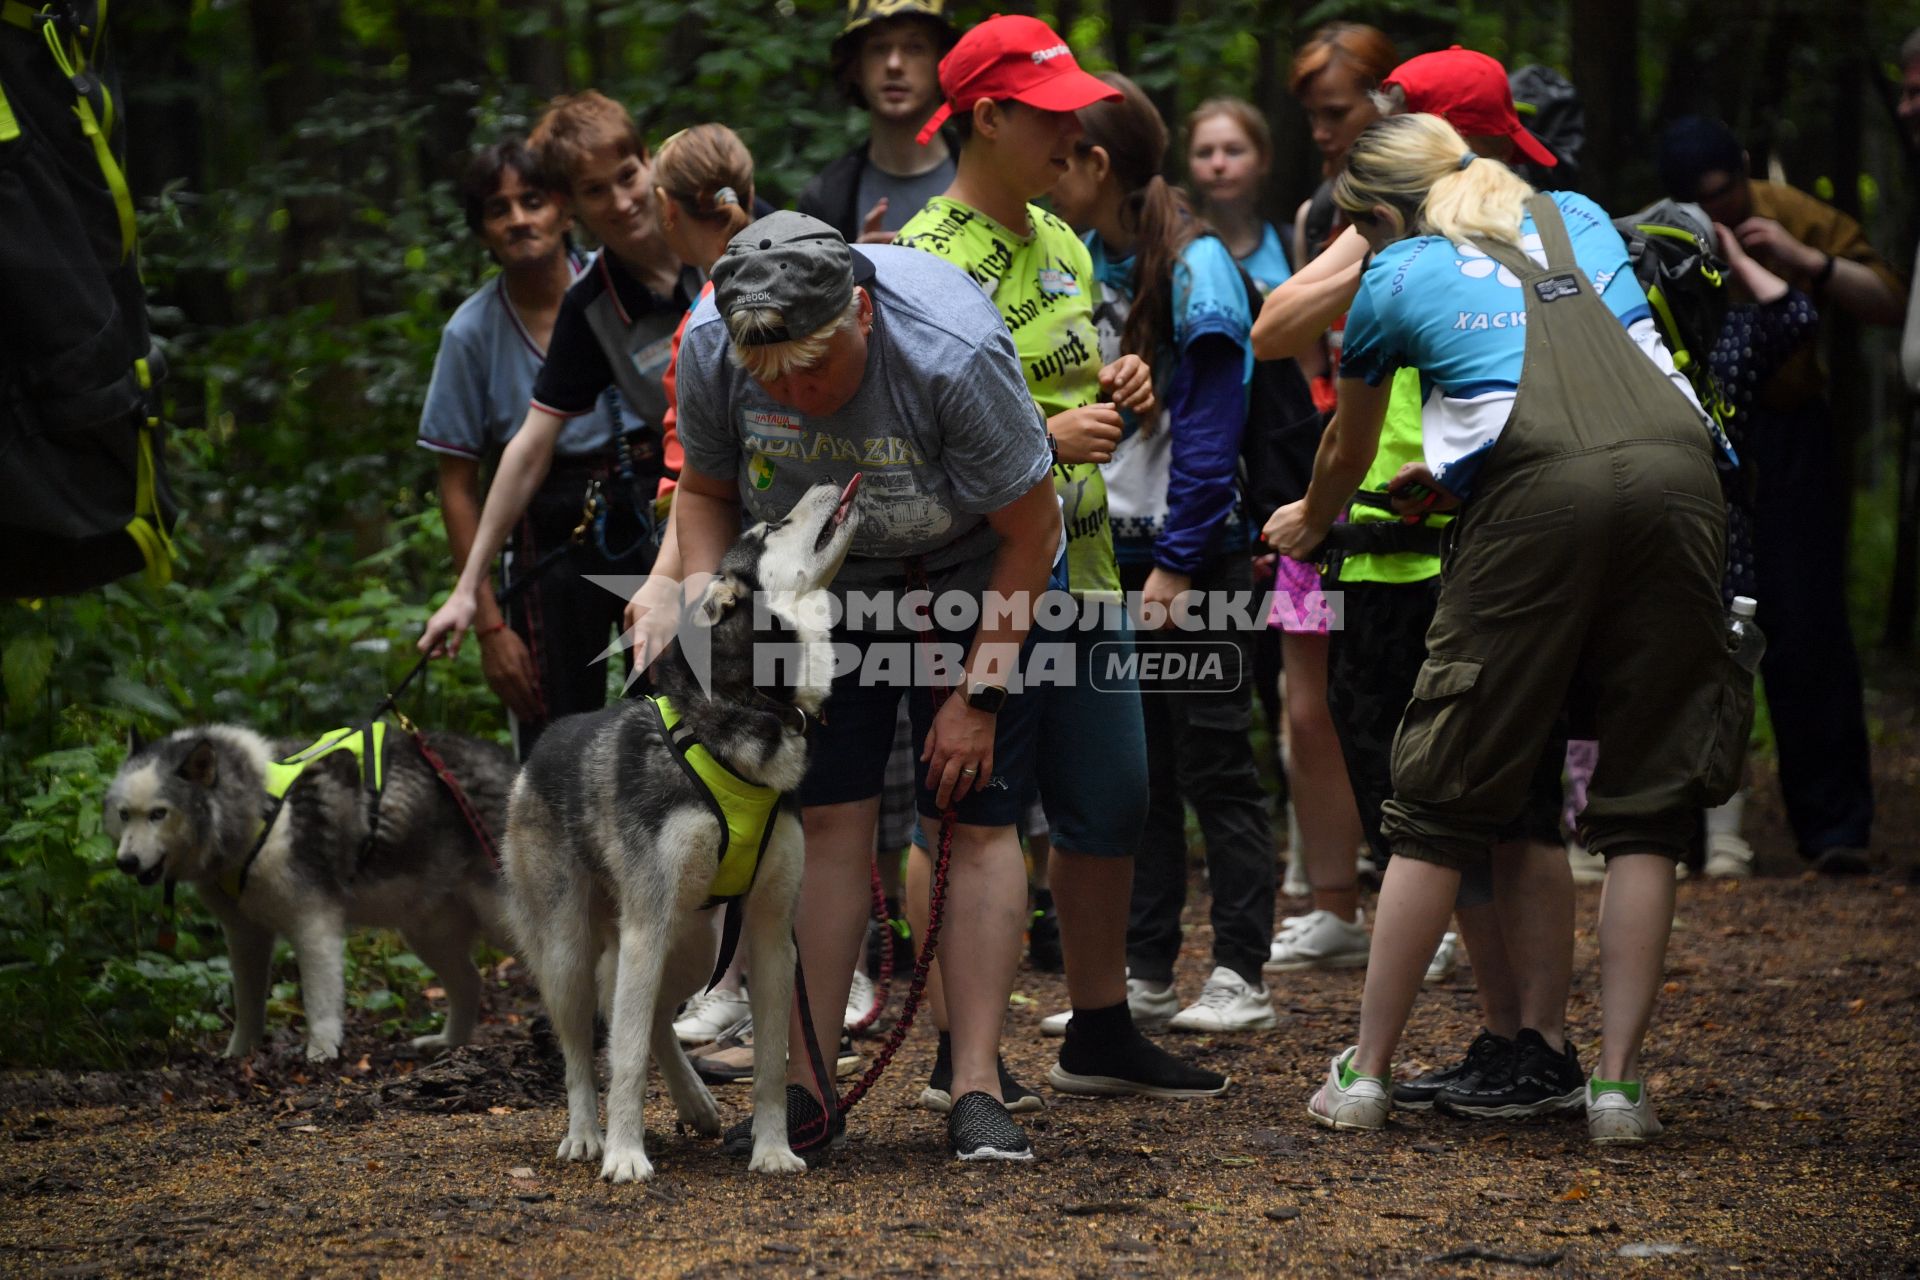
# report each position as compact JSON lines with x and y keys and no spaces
{"x":445,"y":67}
{"x":537,"y":49}
{"x":165,"y":139}
{"x":1606,"y":68}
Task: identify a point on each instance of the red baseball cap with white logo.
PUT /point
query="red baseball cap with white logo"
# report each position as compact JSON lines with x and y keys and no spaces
{"x":1017,"y":57}
{"x":1470,"y":92}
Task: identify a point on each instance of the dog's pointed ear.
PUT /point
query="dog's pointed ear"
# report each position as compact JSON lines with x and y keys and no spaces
{"x":719,"y":599}
{"x":136,"y":741}
{"x":202,"y":765}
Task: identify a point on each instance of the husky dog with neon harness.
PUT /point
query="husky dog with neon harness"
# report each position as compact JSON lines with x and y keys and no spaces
{"x":626,"y":823}
{"x":278,"y":849}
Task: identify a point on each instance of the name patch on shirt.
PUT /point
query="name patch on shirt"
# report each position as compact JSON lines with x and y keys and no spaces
{"x":770,"y":424}
{"x":1059,"y":283}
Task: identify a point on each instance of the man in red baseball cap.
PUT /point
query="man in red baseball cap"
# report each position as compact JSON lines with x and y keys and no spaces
{"x":1018,"y":58}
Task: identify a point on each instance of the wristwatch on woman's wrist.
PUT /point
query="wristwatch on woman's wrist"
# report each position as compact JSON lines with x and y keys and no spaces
{"x":987,"y":697}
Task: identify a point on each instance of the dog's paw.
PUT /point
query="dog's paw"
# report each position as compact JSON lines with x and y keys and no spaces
{"x":322,"y":1050}
{"x":432,"y":1044}
{"x":626,"y":1164}
{"x":778,"y":1159}
{"x":581,"y":1146}
{"x":703,"y":1117}
{"x":239,"y":1046}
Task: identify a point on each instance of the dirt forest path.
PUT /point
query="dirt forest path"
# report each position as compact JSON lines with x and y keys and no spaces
{"x":1783,"y":1058}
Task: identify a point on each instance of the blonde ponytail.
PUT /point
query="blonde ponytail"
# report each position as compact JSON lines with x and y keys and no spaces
{"x":1422,"y":169}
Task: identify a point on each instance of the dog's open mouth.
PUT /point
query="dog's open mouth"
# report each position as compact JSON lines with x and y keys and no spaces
{"x":840,"y":513}
{"x":151,"y":876}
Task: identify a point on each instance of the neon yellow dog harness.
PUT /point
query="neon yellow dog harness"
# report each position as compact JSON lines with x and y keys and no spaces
{"x":745,"y":809}
{"x":368,"y":746}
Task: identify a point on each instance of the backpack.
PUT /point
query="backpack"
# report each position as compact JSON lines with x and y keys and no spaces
{"x":83,"y":491}
{"x":1672,"y":250}
{"x":1282,"y":432}
{"x":1550,"y":107}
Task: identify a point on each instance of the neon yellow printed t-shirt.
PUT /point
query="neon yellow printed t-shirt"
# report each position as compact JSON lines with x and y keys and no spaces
{"x":1400,"y":443}
{"x":1043,"y":286}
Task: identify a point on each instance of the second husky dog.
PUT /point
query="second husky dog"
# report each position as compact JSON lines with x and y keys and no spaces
{"x":614,"y":840}
{"x":198,"y":806}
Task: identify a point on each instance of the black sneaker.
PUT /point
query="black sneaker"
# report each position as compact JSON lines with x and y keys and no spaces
{"x":1540,"y":1083}
{"x":979,"y":1128}
{"x":936,"y":1096}
{"x":1043,"y":937}
{"x":1489,"y":1056}
{"x":1132,"y":1064}
{"x":805,"y":1122}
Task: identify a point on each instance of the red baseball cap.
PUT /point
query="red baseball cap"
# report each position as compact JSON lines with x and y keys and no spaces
{"x":1017,"y":57}
{"x":1470,"y":92}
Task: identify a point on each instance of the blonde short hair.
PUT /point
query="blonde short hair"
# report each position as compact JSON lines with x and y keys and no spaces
{"x":771,"y":361}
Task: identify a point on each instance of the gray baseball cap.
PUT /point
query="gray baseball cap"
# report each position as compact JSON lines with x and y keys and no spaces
{"x":794,"y":264}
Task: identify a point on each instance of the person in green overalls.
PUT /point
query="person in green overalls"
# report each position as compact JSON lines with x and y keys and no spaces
{"x":1584,"y":572}
{"x":1389,"y":579}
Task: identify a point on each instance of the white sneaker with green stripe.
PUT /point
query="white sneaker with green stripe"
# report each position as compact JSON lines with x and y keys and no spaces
{"x":1349,"y":1100}
{"x":1620,"y":1111}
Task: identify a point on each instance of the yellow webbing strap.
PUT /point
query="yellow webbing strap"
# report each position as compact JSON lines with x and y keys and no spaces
{"x":71,"y":64}
{"x":9,"y":127}
{"x":148,"y":528}
{"x":18,"y":14}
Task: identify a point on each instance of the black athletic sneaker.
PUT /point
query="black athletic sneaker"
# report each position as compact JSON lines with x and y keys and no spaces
{"x":979,"y":1128}
{"x":1540,"y":1083}
{"x":1488,"y":1057}
{"x":937,"y":1096}
{"x":1043,"y":937}
{"x":1128,"y":1064}
{"x":804,"y":1116}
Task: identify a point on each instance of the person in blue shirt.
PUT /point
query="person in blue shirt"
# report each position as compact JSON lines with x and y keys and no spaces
{"x":1229,"y":159}
{"x":1584,"y":576}
{"x":1170,"y":293}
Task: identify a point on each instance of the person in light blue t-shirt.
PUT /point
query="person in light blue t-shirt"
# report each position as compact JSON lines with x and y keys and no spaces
{"x":1469,"y":346}
{"x":1229,"y":157}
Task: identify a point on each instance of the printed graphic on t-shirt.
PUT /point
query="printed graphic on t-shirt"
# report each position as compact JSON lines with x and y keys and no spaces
{"x":1041,"y":285}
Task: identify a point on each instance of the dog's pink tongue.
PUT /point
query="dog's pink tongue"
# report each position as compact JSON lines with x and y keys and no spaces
{"x":846,"y":499}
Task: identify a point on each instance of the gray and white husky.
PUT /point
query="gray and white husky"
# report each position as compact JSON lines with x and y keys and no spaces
{"x":190,"y":806}
{"x":611,"y":849}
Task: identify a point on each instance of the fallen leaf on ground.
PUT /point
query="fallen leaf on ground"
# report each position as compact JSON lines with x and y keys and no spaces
{"x":522,"y":1173}
{"x":1577,"y":1191}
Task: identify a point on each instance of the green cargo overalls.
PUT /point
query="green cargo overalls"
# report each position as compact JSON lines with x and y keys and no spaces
{"x":1585,"y":573}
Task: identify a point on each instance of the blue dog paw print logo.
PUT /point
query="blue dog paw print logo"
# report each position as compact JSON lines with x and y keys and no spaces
{"x":1474,"y":264}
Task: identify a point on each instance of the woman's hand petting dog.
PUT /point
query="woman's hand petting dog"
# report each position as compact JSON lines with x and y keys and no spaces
{"x":959,"y":751}
{"x":448,"y":626}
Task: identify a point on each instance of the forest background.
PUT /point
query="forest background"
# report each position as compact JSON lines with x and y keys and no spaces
{"x":302,"y":247}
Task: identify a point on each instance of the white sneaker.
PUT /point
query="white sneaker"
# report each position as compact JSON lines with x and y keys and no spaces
{"x":1322,"y":940}
{"x":708,"y":1014}
{"x":1446,"y":958}
{"x":1614,"y":1117}
{"x":1151,"y":1004}
{"x":860,"y":999}
{"x":1055,"y":1024}
{"x":1588,"y":868}
{"x":1363,"y":1102}
{"x":1729,"y":856}
{"x":1227,"y":1003}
